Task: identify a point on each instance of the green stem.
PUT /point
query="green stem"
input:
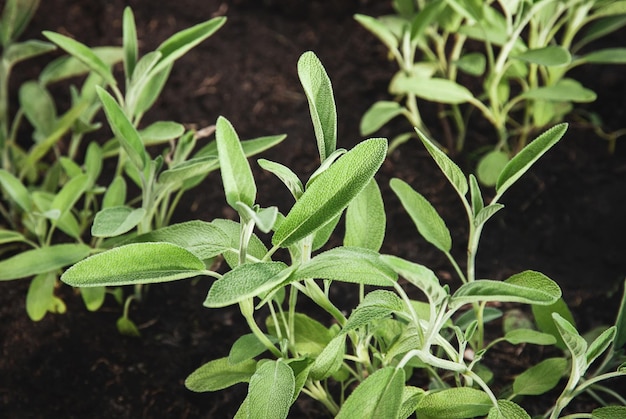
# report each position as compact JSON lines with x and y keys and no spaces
{"x":247,"y":310}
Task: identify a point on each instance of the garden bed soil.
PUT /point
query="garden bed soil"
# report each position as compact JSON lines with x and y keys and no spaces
{"x":566,"y":218}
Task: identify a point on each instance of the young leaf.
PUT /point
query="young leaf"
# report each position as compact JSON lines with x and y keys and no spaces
{"x":39,"y":108}
{"x":528,"y":156}
{"x":15,"y":18}
{"x":161,"y":131}
{"x":606,"y":56}
{"x":123,"y":129}
{"x":10,"y":236}
{"x":127,"y":327}
{"x":552,"y":55}
{"x":376,"y":305}
{"x":378,"y":396}
{"x":540,"y":378}
{"x":319,"y":93}
{"x":115,"y":194}
{"x":365,"y":219}
{"x":545,"y":323}
{"x":331,"y":192}
{"x":378,"y":115}
{"x":14,"y":188}
{"x":279,"y":379}
{"x":379,"y":29}
{"x":40,"y":296}
{"x":456,"y":402}
{"x":264,"y":218}
{"x":93,"y":297}
{"x":43,"y":259}
{"x":68,"y":66}
{"x":486,"y":213}
{"x":490,"y":166}
{"x":84,"y":54}
{"x":247,"y":347}
{"x":418,"y":275}
{"x":507,"y":409}
{"x":600,"y":344}
{"x":131,"y":52}
{"x":310,"y":336}
{"x":286,"y":175}
{"x":115,"y":221}
{"x":93,"y":162}
{"x":432,"y":89}
{"x":447,"y":166}
{"x":137,"y":263}
{"x":330,"y":359}
{"x":189,"y":169}
{"x":517,"y":336}
{"x":527,"y":287}
{"x":428,"y":222}
{"x":220,"y":374}
{"x":246,"y":281}
{"x":620,"y":323}
{"x":348,"y":264}
{"x":576,"y":345}
{"x":70,"y":193}
{"x":236,"y":173}
{"x":565,"y":90}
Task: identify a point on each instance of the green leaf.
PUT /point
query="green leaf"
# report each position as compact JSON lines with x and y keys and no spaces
{"x":473,"y":63}
{"x":620,"y":322}
{"x":41,"y":260}
{"x":527,"y":287}
{"x":93,"y":162}
{"x":180,"y":43}
{"x":40,"y":297}
{"x":319,"y":93}
{"x":115,"y":221}
{"x":247,"y":347}
{"x":236,"y":173}
{"x":84,"y":54}
{"x":331,"y":192}
{"x":69,"y":66}
{"x":540,"y":378}
{"x":378,"y":28}
{"x":39,"y":108}
{"x":15,"y":17}
{"x":10,"y":236}
{"x":490,"y":166}
{"x":376,"y":305}
{"x":447,"y":166}
{"x":310,"y":336}
{"x":246,"y":281}
{"x":123,"y":129}
{"x":456,"y":402}
{"x":365,"y":219}
{"x":115,"y":194}
{"x":518,"y":336}
{"x":427,"y":15}
{"x":256,"y":248}
{"x":321,"y":236}
{"x":410,"y":399}
{"x":71,"y":192}
{"x":528,"y":156}
{"x":576,"y":345}
{"x":552,"y":55}
{"x":220,"y":374}
{"x":609,"y":412}
{"x":127,"y":327}
{"x":432,"y":89}
{"x":14,"y":188}
{"x":545,"y":323}
{"x":486,"y":213}
{"x":507,"y":409}
{"x":348,"y":264}
{"x":600,"y":344}
{"x":161,"y":131}
{"x":271,"y":390}
{"x":286,"y":175}
{"x":428,"y":222}
{"x":137,"y":263}
{"x":378,"y":396}
{"x":565,"y":90}
{"x":189,"y":169}
{"x":21,"y":51}
{"x":329,"y":361}
{"x":418,"y":275}
{"x":131,"y":50}
{"x":606,"y":56}
{"x":264,"y":218}
{"x":378,"y":115}
{"x":93,"y":297}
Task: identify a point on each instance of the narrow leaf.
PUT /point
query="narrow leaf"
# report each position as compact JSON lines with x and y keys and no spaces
{"x":310,"y":337}
{"x":378,"y":115}
{"x":576,"y":345}
{"x":549,"y":56}
{"x":379,"y":29}
{"x":247,"y":347}
{"x":566,"y":90}
{"x":319,"y":93}
{"x":418,"y":275}
{"x":447,"y":166}
{"x":517,"y":336}
{"x":71,"y":192}
{"x":620,"y":322}
{"x":428,"y":222}
{"x":286,"y":175}
{"x":14,"y":188}
{"x":69,"y":66}
{"x":137,"y":263}
{"x":21,"y":51}
{"x":220,"y":374}
{"x":378,"y":396}
{"x":486,"y":213}
{"x":129,"y":42}
{"x":366,"y":219}
{"x":600,"y":344}
{"x":44,"y":259}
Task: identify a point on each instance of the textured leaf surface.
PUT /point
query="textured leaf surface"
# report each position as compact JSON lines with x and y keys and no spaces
{"x":507,"y":409}
{"x":378,"y":396}
{"x":111,"y":222}
{"x":540,"y":378}
{"x":448,"y":167}
{"x":44,"y":259}
{"x":457,"y":402}
{"x":220,"y":374}
{"x":271,"y":390}
{"x":366,"y":219}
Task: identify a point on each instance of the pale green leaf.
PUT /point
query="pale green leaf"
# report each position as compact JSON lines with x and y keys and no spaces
{"x":473,"y":63}
{"x":606,"y":56}
{"x":137,"y":263}
{"x":490,"y":166}
{"x":576,"y":345}
{"x":131,"y":50}
{"x":21,"y":51}
{"x":319,"y":93}
{"x":44,"y":259}
{"x":40,"y":296}
{"x":264,"y":218}
{"x":376,"y":305}
{"x":447,"y":166}
{"x":378,"y":396}
{"x":10,"y":236}
{"x":410,"y":399}
{"x":127,"y":327}
{"x":161,"y":131}
{"x":528,"y":156}
{"x":331,"y":192}
{"x":507,"y":409}
{"x":310,"y":337}
{"x":220,"y":374}
{"x":428,"y":222}
{"x":552,"y":55}
{"x":236,"y":173}
{"x":378,"y":115}
{"x":93,"y":297}
{"x":418,"y":275}
{"x":39,"y":108}
{"x":14,"y":188}
{"x":486,"y":213}
{"x":330,"y":359}
{"x":247,"y":347}
{"x":545,"y":323}
{"x":71,"y":192}
{"x":620,"y":322}
{"x":286,"y":175}
{"x":189,"y":169}
{"x":69,"y":66}
{"x":115,"y":194}
{"x":456,"y":402}
{"x":565,"y":90}
{"x":432,"y":89}
{"x":600,"y":344}
{"x":518,"y":336}
{"x":540,"y":378}
{"x":114,"y":221}
{"x":379,"y":29}
{"x":609,"y":412}
{"x":366,"y":219}
{"x":271,"y":390}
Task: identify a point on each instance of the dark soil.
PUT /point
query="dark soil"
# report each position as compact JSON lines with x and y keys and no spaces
{"x":565,"y":218}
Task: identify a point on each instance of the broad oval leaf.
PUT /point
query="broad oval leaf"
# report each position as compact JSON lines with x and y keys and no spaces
{"x":528,"y":287}
{"x":432,"y":89}
{"x":114,"y":221}
{"x":490,"y":166}
{"x":428,"y":222}
{"x":40,"y":297}
{"x":161,"y":131}
{"x":247,"y":347}
{"x":378,"y":115}
{"x":319,"y":93}
{"x":137,"y":263}
{"x":246,"y":281}
{"x":376,"y":305}
{"x":271,"y":390}
{"x":44,"y":259}
{"x":456,"y":402}
{"x":378,"y":396}
{"x":528,"y":156}
{"x":348,"y":264}
{"x":93,"y":297}
{"x":366,"y":219}
{"x":220,"y":374}
{"x":331,"y":192}
{"x":552,"y":55}
{"x":540,"y":378}
{"x":237,"y":176}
